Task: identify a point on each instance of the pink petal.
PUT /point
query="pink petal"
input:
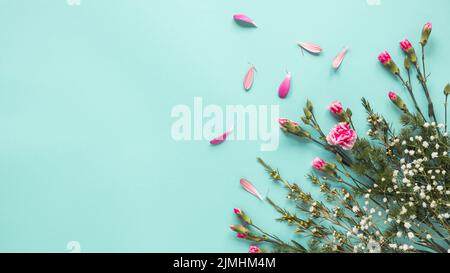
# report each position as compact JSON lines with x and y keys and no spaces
{"x":241,"y":18}
{"x":248,"y":80}
{"x":339,"y":58}
{"x":248,"y":186}
{"x":285,"y":86}
{"x":218,"y":140}
{"x":313,"y":48}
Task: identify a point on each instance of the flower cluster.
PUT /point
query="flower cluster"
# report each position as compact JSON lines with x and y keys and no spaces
{"x":386,"y":192}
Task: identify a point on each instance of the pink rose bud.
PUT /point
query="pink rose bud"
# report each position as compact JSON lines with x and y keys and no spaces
{"x":392,"y":96}
{"x":384,"y":57}
{"x":428,"y":27}
{"x":405,"y":45}
{"x":335,"y":107}
{"x":342,"y":135}
{"x":318,"y":164}
{"x":241,"y":236}
{"x":254,"y":249}
{"x":237,"y":211}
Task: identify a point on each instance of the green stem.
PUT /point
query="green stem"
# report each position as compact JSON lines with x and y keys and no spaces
{"x":423,"y":63}
{"x":422,"y":81}
{"x":409,"y":88}
{"x":445,"y":105}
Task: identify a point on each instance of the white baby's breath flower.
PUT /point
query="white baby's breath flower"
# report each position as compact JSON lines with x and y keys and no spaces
{"x":410,"y":235}
{"x":433,"y":204}
{"x":403,"y":211}
{"x":393,"y":246}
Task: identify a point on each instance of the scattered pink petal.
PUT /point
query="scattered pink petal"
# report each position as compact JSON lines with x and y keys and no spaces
{"x":248,"y":186}
{"x":241,"y":18}
{"x":218,"y":140}
{"x":248,"y":80}
{"x":285,"y":86}
{"x":310,"y":47}
{"x":339,"y":58}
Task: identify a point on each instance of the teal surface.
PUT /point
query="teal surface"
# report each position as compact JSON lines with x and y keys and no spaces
{"x":86,"y":94}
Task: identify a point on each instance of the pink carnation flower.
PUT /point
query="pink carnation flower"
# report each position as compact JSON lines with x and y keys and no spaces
{"x":254,"y":249}
{"x":342,"y":135}
{"x":384,"y":57}
{"x":335,"y":107}
{"x":237,"y":211}
{"x":405,"y":45}
{"x":318,"y":164}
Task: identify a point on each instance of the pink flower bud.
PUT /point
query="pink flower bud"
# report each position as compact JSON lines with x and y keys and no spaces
{"x":426,"y":31}
{"x":254,"y":249}
{"x":318,"y":164}
{"x":283,"y":122}
{"x":237,"y":211}
{"x":384,"y":57}
{"x":232,"y":227}
{"x":392,"y":96}
{"x":405,"y":45}
{"x":241,"y":236}
{"x":335,"y":107}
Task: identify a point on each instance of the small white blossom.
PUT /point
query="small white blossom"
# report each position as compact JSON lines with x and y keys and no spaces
{"x":393,"y":246}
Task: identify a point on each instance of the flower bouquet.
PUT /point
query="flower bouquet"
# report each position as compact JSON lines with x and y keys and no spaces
{"x":387,"y":192}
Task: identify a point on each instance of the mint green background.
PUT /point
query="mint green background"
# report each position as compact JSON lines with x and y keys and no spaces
{"x":86,"y":94}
